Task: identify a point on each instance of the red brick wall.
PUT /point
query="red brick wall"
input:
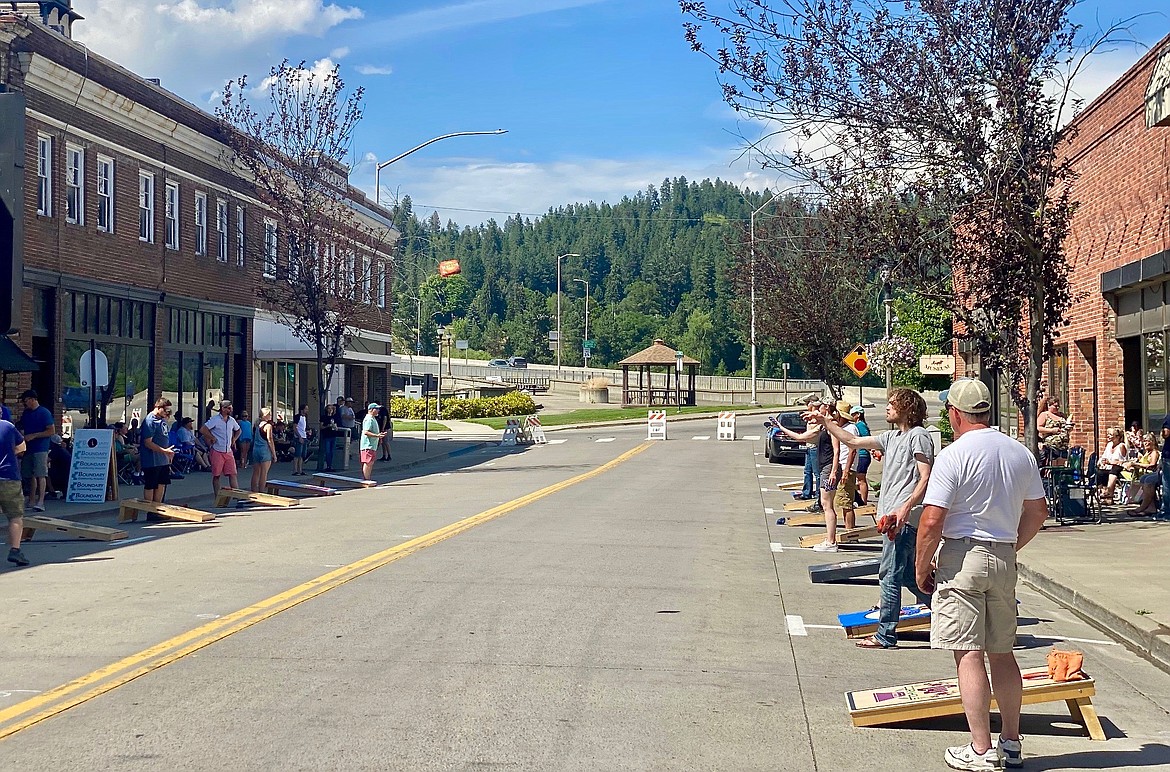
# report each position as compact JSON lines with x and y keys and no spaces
{"x":1123,"y":186}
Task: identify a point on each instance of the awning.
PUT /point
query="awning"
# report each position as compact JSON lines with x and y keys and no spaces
{"x":305,"y":355}
{"x":13,"y":360}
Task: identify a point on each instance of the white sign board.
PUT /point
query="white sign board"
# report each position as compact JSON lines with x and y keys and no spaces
{"x":100,"y":369}
{"x":553,"y":335}
{"x":936,"y":364}
{"x":414,"y":392}
{"x":90,"y":468}
{"x":461,"y":345}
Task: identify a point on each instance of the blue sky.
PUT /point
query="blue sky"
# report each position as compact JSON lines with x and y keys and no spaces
{"x":600,"y":97}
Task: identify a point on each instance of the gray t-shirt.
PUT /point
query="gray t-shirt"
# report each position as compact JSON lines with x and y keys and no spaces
{"x":900,"y":468}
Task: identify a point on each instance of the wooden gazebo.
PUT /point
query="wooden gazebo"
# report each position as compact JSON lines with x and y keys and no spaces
{"x":658,"y":354}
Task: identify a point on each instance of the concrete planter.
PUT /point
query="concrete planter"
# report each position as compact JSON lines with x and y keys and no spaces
{"x":594,"y":396}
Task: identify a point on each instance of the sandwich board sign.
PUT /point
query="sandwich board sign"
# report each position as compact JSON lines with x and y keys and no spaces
{"x":92,"y":470}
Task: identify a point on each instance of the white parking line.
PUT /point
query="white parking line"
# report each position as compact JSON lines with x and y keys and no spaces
{"x":823,"y":627}
{"x":777,"y":546}
{"x":606,"y":439}
{"x":769,"y":511}
{"x":557,"y":442}
{"x":752,"y":437}
{"x":702,"y":437}
{"x":795,"y":624}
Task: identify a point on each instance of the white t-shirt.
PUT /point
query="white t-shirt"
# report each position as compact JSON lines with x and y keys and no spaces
{"x":843,"y":454}
{"x":301,"y":427}
{"x":983,"y":479}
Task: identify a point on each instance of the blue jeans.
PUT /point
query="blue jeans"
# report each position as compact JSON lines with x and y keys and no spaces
{"x":1165,"y":515}
{"x":325,"y":453}
{"x":810,"y":462}
{"x":896,"y":571}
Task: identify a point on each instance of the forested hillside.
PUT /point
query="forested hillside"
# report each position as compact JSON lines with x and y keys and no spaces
{"x":658,"y":265}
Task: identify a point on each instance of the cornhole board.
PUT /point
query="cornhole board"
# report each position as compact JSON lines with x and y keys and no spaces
{"x":340,"y":479}
{"x":128,"y":512}
{"x":859,"y":624}
{"x":225,"y":496}
{"x":34,"y":523}
{"x":931,"y":699}
{"x":818,"y":518}
{"x":799,"y":506}
{"x":844,"y":535}
{"x":790,"y":486}
{"x":276,"y":486}
{"x":837,"y":572}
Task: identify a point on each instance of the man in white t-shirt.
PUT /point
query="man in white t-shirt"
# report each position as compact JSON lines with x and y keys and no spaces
{"x":985,"y":501}
{"x":221,"y":432}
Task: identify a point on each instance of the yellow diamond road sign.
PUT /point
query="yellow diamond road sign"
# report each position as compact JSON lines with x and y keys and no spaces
{"x":857,"y":360}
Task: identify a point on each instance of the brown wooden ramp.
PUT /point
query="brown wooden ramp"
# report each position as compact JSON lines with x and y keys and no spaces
{"x":339,"y":479}
{"x":33,"y":523}
{"x":818,"y":518}
{"x":128,"y":512}
{"x":931,"y":699}
{"x":226,"y":495}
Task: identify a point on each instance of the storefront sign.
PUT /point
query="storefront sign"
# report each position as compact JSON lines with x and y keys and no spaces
{"x":936,"y":364}
{"x":93,"y":451}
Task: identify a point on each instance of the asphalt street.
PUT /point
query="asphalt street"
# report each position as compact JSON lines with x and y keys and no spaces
{"x":597,"y":603}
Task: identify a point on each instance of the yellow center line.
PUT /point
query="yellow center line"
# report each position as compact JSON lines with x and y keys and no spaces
{"x":59,"y":699}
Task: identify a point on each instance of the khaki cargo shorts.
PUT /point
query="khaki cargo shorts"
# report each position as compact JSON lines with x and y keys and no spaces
{"x":974,"y":604}
{"x":11,"y":499}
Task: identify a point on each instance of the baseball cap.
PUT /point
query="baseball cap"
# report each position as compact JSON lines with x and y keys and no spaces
{"x":857,"y":410}
{"x":373,"y":405}
{"x":969,"y":395}
{"x":349,"y":399}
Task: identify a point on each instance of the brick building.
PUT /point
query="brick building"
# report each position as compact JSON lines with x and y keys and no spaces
{"x":1111,"y":359}
{"x":139,"y":239}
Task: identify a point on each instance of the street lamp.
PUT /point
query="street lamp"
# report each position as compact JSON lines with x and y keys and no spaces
{"x":752,"y":336}
{"x":559,"y":259}
{"x":678,"y":363}
{"x":584,"y":351}
{"x":378,"y":167}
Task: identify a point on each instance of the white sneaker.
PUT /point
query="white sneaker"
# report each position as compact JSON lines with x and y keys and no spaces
{"x":1011,"y":752}
{"x":965,"y":757}
{"x":825,"y":547}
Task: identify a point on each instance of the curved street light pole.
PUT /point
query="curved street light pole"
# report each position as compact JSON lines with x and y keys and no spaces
{"x":752,"y":336}
{"x":378,"y":167}
{"x":559,"y":259}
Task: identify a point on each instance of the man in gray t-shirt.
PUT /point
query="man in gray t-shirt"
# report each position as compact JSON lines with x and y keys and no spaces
{"x":907,"y":454}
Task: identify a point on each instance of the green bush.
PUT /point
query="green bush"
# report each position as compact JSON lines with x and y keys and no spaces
{"x":510,"y":404}
{"x":944,"y":426}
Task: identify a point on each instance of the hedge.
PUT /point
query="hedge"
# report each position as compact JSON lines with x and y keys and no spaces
{"x":510,"y":404}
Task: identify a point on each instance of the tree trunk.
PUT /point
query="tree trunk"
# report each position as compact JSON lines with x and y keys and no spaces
{"x":1035,"y":367}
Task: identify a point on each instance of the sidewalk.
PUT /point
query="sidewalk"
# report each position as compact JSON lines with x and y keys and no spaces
{"x":195,"y":488}
{"x":1114,"y":575}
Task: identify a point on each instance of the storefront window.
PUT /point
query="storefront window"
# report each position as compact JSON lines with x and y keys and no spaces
{"x":128,"y":389}
{"x":1155,"y":367}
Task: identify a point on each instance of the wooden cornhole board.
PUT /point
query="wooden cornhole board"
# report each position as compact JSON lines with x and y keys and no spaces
{"x":844,"y":535}
{"x":128,"y":513}
{"x":930,"y":699}
{"x":276,"y":486}
{"x":837,"y":572}
{"x":818,"y":518}
{"x":33,"y":523}
{"x":792,"y":486}
{"x":225,"y":496}
{"x":339,"y":479}
{"x":799,"y":506}
{"x":859,"y":624}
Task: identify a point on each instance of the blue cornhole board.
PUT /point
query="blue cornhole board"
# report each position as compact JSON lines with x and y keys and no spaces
{"x":859,"y":624}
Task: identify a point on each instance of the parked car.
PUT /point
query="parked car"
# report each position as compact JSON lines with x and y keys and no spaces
{"x":517,"y":362}
{"x":499,"y":363}
{"x":778,"y":446}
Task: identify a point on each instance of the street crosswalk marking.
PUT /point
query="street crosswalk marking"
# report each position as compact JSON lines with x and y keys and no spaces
{"x":701,"y":437}
{"x":606,"y":439}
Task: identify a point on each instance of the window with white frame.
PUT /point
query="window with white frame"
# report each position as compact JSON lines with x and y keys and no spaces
{"x":381,"y":292}
{"x":270,"y":250}
{"x":200,"y":223}
{"x":172,"y":214}
{"x":366,"y":281}
{"x":240,"y":236}
{"x":146,"y":207}
{"x":105,"y":194}
{"x":44,"y":175}
{"x":221,"y":229}
{"x":348,"y":283}
{"x":74,"y":185}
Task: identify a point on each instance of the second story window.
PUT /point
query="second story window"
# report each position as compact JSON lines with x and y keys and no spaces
{"x":367,"y":281}
{"x":381,"y":292}
{"x":44,"y":175}
{"x":105,"y":194}
{"x":74,"y":185}
{"x":240,"y":236}
{"x":146,"y":207}
{"x":347,"y":277}
{"x":200,"y":223}
{"x":270,"y":251}
{"x":172,"y":215}
{"x":221,"y":230}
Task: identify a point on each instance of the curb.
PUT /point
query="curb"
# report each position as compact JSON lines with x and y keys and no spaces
{"x":200,"y":497}
{"x":1145,"y":636}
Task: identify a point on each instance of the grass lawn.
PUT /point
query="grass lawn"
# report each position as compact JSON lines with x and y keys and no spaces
{"x":417,"y":426}
{"x":620,"y":414}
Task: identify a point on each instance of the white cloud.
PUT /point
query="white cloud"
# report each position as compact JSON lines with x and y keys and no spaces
{"x":194,"y":47}
{"x":369,"y":69}
{"x":339,"y":53}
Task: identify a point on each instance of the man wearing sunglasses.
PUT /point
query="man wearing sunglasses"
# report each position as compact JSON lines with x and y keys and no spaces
{"x":156,"y":453}
{"x":984,"y":502}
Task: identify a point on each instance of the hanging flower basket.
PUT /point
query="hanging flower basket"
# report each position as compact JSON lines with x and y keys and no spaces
{"x":892,"y":352}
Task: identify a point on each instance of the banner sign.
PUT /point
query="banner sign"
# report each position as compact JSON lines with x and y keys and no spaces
{"x":93,"y":451}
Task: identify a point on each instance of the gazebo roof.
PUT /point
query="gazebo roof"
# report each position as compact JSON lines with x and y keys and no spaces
{"x":657,"y":353}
